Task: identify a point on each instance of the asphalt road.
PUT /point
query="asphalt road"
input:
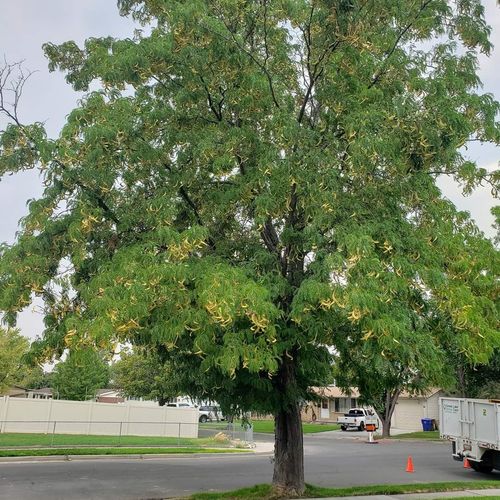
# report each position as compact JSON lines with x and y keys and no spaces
{"x":331,"y":460}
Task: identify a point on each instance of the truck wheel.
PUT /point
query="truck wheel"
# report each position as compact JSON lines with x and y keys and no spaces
{"x":481,"y":467}
{"x":361,"y":426}
{"x":343,"y":427}
{"x":203,"y":419}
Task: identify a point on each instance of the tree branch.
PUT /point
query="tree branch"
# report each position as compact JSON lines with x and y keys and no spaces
{"x":216,"y":112}
{"x":262,"y":66}
{"x":191,"y":204}
{"x":391,"y":51}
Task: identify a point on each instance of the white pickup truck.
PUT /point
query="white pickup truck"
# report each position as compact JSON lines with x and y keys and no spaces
{"x":355,"y":418}
{"x":473,"y":427}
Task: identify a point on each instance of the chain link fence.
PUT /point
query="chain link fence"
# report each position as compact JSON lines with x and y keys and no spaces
{"x":64,"y":433}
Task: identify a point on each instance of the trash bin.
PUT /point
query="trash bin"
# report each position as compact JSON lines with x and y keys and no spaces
{"x":427,"y":424}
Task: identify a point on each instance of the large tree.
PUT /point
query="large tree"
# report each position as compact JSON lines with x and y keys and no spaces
{"x":251,"y":180}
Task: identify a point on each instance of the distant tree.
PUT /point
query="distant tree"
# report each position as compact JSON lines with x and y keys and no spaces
{"x":412,"y":367}
{"x":483,"y":381}
{"x":477,"y":380}
{"x":142,"y":374}
{"x":13,"y":346}
{"x":490,"y":390}
{"x":80,"y":375}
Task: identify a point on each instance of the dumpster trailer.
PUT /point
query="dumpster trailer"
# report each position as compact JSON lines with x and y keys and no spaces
{"x":473,"y":427}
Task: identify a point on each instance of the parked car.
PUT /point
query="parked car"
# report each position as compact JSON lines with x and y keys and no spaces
{"x":214,"y":412}
{"x":473,"y":427}
{"x":204,"y":415}
{"x":179,"y":405}
{"x":355,"y":418}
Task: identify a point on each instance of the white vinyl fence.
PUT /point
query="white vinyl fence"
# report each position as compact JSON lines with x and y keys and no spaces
{"x":50,"y":416}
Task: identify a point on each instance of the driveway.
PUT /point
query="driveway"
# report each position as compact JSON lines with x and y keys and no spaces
{"x":330,"y":460}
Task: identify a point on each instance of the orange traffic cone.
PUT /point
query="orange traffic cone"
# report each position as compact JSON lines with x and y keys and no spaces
{"x":409,"y":465}
{"x":467,"y":464}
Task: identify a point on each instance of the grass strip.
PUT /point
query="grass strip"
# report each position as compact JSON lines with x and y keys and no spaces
{"x":431,"y":435}
{"x":47,"y":452}
{"x":264,"y":491}
{"x":15,"y":439}
{"x":267,"y":427}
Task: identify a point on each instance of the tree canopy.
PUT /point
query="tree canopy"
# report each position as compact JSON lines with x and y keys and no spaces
{"x":254,"y":181}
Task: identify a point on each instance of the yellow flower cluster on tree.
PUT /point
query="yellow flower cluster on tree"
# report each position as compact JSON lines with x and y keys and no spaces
{"x":182,"y":250}
{"x":216,"y":312}
{"x":88,"y":222}
{"x":330,"y":302}
{"x":260,"y":323}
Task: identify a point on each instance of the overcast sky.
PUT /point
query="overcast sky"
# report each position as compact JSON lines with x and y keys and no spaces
{"x":26,"y":24}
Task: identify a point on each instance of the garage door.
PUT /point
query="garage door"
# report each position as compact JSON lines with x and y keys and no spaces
{"x":408,"y":415}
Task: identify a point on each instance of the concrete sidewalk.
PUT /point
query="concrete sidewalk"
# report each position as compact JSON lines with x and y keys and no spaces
{"x":427,"y":496}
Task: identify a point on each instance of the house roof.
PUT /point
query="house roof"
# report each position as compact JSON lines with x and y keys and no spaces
{"x":15,"y":390}
{"x":42,"y":390}
{"x":107,"y":392}
{"x":336,"y":392}
{"x":424,"y":395}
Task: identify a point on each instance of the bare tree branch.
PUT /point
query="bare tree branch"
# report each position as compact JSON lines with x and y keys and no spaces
{"x":11,"y":83}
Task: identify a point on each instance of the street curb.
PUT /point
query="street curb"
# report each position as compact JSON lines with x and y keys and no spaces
{"x":78,"y":458}
{"x":484,"y":492}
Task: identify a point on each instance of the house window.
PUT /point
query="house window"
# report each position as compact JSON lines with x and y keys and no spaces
{"x":324,"y":404}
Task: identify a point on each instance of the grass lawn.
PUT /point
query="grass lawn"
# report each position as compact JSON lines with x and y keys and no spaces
{"x":471,"y":498}
{"x":264,"y":492}
{"x":21,"y":439}
{"x":432,"y":435}
{"x":45,"y":452}
{"x":267,"y":427}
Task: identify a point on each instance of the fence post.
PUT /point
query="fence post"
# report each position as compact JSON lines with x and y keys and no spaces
{"x":49,"y":415}
{"x":5,"y":405}
{"x":120,"y":436}
{"x":179,"y":435}
{"x":127,"y":419}
{"x":90,"y":415}
{"x":53,"y":433}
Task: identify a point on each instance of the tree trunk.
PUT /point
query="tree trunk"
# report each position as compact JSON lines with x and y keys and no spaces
{"x":288,"y":477}
{"x":385,"y":410}
{"x":386,"y":428}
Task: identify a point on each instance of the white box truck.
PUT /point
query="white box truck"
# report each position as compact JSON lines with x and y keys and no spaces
{"x":473,"y":427}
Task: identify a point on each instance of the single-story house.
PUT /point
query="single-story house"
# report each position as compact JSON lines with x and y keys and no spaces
{"x":108,"y":396}
{"x":334,"y":403}
{"x":114,"y":396}
{"x":407,"y":415}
